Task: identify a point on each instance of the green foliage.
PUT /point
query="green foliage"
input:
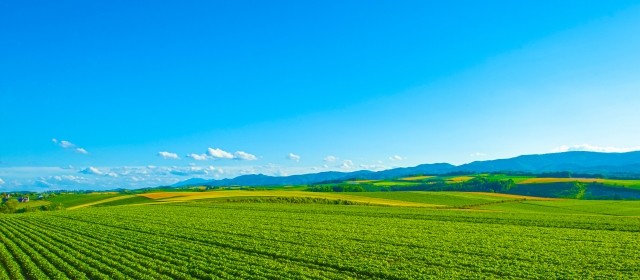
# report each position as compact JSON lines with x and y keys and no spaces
{"x":70,"y":200}
{"x":286,"y":240}
{"x":125,"y":201}
{"x":337,"y":188}
{"x":9,"y":206}
{"x":451,"y":199}
{"x":291,"y":199}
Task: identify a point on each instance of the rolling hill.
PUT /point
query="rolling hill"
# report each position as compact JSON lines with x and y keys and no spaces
{"x":582,"y":162}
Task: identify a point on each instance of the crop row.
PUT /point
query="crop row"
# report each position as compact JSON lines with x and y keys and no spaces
{"x":276,"y":241}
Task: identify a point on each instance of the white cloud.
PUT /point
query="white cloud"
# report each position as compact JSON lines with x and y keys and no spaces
{"x":380,"y":162}
{"x":478,"y":155}
{"x":70,"y":167}
{"x":1,"y":182}
{"x":168,"y":155}
{"x":111,"y":174}
{"x":244,"y":156}
{"x":63,"y":180}
{"x":210,"y":168}
{"x":372,"y":167}
{"x":217,"y":153}
{"x":291,"y":156}
{"x":396,"y":157}
{"x":325,"y":166}
{"x":589,"y":148}
{"x":346,"y":164}
{"x":66,"y":144}
{"x":247,"y":171}
{"x":151,"y":167}
{"x":91,"y":170}
{"x":189,"y":171}
{"x":330,"y":159}
{"x":198,"y":157}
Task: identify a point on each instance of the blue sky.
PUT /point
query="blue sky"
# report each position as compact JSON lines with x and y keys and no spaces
{"x":290,"y":88}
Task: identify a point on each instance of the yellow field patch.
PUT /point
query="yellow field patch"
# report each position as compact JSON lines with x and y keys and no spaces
{"x":100,"y":201}
{"x":190,"y":196}
{"x":514,"y":196}
{"x":560,"y":180}
{"x":460,"y":179}
{"x":362,"y":181}
{"x":415,"y":178}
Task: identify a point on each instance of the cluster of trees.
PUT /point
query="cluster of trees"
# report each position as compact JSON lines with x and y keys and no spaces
{"x":337,"y":188}
{"x":559,"y":174}
{"x":11,"y":206}
{"x":293,"y":199}
{"x":577,"y":191}
{"x":478,"y":184}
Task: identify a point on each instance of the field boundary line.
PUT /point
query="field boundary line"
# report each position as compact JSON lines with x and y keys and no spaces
{"x":100,"y":202}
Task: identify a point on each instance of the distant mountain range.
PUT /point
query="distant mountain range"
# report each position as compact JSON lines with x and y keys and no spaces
{"x":580,"y":162}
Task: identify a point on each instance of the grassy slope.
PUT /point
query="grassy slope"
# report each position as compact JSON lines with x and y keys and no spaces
{"x":388,"y":184}
{"x":441,"y":198}
{"x":125,"y":201}
{"x":385,"y":242}
{"x":191,"y":196}
{"x":71,"y":200}
{"x":32,"y":203}
{"x":570,"y":206}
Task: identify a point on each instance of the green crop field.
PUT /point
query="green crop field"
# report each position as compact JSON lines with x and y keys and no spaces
{"x":386,"y":184}
{"x":597,"y":207}
{"x":71,"y":200}
{"x":440,"y":198}
{"x":241,"y":240}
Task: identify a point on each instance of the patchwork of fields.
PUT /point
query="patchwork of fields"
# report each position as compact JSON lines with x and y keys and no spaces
{"x":258,"y":241}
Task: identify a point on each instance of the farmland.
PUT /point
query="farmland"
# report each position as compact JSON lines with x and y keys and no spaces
{"x":200,"y":240}
{"x":295,"y":232}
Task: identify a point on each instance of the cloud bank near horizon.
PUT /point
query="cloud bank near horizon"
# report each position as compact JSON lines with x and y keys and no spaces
{"x":589,"y":148}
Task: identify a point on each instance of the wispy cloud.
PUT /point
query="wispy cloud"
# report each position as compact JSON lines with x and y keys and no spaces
{"x":168,"y":155}
{"x":68,"y":145}
{"x":240,"y":155}
{"x":478,"y":155}
{"x":589,"y":148}
{"x":1,"y":181}
{"x":292,"y":156}
{"x":372,"y":167}
{"x":198,"y":157}
{"x":346,"y":164}
{"x":396,"y":157}
{"x":218,"y":153}
{"x":330,"y":159}
{"x":91,"y":170}
{"x":189,"y":171}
